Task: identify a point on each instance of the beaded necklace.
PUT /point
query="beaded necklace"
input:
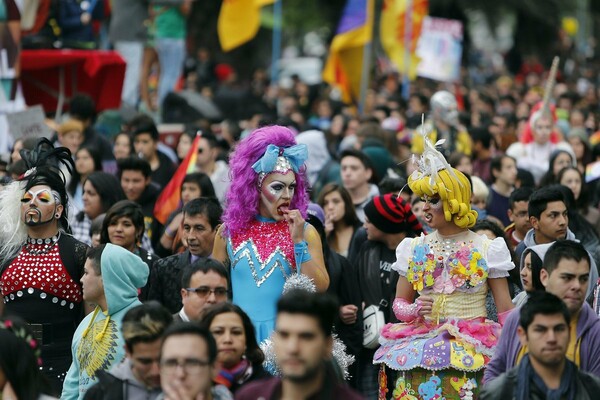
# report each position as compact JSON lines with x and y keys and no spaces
{"x":37,"y":246}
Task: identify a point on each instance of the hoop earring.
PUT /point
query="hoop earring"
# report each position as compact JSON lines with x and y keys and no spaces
{"x":57,"y":215}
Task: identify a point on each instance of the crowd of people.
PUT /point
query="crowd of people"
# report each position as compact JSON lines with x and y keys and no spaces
{"x":419,"y":266}
{"x":449,"y":241}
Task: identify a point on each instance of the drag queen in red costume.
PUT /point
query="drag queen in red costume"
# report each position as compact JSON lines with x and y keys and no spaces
{"x":264,"y":238}
{"x":40,"y":263}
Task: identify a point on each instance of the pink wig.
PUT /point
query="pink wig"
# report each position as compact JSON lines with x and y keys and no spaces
{"x":243,"y":196}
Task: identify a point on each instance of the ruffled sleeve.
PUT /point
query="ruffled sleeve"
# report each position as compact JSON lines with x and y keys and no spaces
{"x":403,"y":253}
{"x":499,"y":260}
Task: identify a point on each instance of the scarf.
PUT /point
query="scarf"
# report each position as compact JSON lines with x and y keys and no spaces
{"x":526,"y":375}
{"x":236,"y":375}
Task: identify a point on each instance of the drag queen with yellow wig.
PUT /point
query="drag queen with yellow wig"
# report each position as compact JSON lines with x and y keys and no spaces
{"x":444,"y":340}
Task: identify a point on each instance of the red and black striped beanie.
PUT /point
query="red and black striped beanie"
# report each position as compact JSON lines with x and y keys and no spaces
{"x":391,"y":214}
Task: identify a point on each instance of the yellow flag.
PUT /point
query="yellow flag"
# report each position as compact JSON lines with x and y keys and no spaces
{"x":392,"y":32}
{"x":239,"y":21}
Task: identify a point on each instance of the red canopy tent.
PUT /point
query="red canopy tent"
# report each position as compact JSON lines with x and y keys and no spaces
{"x":51,"y":77}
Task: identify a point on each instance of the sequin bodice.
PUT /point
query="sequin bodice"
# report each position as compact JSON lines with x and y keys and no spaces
{"x":266,"y":247}
{"x":262,"y":258}
{"x":39,"y":266}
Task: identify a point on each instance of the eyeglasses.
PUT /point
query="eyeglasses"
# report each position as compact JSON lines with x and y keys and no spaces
{"x":205,"y":291}
{"x":189,"y":365}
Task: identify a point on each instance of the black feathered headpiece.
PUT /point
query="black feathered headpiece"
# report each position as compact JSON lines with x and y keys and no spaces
{"x":46,"y":165}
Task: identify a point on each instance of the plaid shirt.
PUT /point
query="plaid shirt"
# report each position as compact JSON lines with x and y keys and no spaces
{"x":81,"y":229}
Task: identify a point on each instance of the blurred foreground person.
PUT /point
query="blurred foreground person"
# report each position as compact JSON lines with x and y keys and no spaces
{"x":188,"y":364}
{"x":303,"y":347}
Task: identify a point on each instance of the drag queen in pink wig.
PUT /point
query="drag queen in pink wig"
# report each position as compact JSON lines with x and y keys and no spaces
{"x":264,"y":238}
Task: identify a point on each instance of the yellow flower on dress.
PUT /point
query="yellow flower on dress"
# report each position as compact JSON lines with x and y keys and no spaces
{"x":421,"y":267}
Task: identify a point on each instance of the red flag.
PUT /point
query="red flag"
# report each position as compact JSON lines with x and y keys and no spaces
{"x":169,"y":198}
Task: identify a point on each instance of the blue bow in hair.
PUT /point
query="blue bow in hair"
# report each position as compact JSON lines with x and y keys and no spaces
{"x":296,"y":155}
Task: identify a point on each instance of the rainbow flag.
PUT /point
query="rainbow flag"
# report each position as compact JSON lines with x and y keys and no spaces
{"x":170,"y":197}
{"x":392,"y":32}
{"x":239,"y":21}
{"x":592,"y":171}
{"x":344,"y":64}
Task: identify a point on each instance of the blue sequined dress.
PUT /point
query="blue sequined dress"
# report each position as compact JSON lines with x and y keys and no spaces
{"x":262,"y":258}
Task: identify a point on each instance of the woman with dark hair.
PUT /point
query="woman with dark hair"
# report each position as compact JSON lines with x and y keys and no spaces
{"x":579,"y":141}
{"x":194,"y":186}
{"x":531,"y":263}
{"x":341,"y":221}
{"x":100,"y":192}
{"x":572,"y":178}
{"x":239,"y":357}
{"x":87,"y":160}
{"x":123,"y":145}
{"x":343,"y":283}
{"x":123,"y":225}
{"x":20,"y":374}
{"x":559,"y":159}
{"x":184,"y":144}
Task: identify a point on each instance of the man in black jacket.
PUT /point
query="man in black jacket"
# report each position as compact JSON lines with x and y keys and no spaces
{"x":544,"y":372}
{"x":201,"y":219}
{"x":138,"y":376}
{"x":388,"y":220}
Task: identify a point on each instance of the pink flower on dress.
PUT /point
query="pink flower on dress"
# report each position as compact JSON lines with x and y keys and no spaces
{"x":463,"y":255}
{"x":458,"y":280}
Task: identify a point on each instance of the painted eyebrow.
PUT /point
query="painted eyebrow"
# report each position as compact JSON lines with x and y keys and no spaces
{"x":282,"y":183}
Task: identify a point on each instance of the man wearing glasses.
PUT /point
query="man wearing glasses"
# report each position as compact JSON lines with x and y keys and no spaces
{"x":201,"y":219}
{"x":203,"y":284}
{"x":187,"y":364}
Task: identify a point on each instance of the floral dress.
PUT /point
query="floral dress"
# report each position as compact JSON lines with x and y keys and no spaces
{"x":443,"y":354}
